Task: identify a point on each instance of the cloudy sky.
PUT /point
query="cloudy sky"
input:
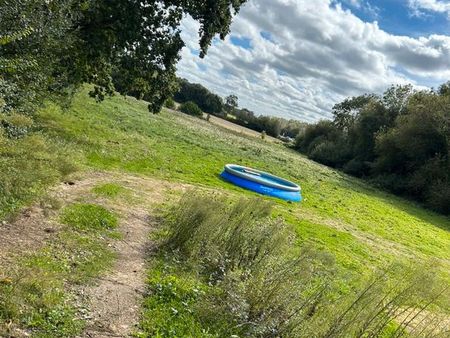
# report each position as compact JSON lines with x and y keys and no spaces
{"x":296,"y":58}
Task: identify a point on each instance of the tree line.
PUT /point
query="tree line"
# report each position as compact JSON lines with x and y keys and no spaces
{"x":50,"y":48}
{"x":228,"y":108}
{"x":399,"y":140}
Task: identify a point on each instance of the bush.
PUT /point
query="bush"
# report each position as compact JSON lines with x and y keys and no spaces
{"x":191,"y":108}
{"x":15,"y":125}
{"x":170,"y":103}
{"x":438,"y":197}
{"x":329,"y":153}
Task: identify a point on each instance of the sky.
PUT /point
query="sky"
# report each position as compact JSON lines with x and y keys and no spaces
{"x":297,"y":58}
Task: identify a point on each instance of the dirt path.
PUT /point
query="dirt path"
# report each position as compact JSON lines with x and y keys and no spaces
{"x":114,"y":302}
{"x":111,"y":303}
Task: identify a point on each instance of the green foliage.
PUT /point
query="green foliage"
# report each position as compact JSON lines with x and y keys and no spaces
{"x":170,"y":103}
{"x":207,"y":101}
{"x":88,"y":216}
{"x":35,"y":40}
{"x":191,"y":108}
{"x":15,"y":125}
{"x":51,"y":48}
{"x":399,"y":141}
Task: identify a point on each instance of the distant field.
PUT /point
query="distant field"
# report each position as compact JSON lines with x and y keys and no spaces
{"x":240,"y":129}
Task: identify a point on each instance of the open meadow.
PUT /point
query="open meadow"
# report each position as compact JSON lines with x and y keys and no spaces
{"x":364,"y":230}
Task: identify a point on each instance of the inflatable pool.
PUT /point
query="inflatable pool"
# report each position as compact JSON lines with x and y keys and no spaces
{"x":261,"y":182}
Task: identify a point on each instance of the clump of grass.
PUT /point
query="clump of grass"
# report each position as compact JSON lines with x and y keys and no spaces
{"x":110,"y":190}
{"x":254,"y":283}
{"x":28,"y":164}
{"x":84,"y":216}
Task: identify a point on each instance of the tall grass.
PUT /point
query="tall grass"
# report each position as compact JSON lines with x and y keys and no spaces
{"x":28,"y":164}
{"x":259,"y":285}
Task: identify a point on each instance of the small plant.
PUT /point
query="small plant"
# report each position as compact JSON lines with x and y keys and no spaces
{"x":110,"y":190}
{"x":88,"y":217}
{"x":191,"y":108}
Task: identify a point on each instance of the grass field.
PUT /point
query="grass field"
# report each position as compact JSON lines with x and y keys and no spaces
{"x":363,"y":228}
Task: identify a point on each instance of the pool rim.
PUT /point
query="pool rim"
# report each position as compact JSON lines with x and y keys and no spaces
{"x":285,"y":185}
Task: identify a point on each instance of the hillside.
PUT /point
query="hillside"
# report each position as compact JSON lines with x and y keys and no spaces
{"x":362,"y":228}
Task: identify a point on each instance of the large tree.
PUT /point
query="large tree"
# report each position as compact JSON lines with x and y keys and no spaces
{"x":129,"y":45}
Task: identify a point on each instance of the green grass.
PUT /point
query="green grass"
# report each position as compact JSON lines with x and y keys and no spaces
{"x":84,"y":216}
{"x":170,"y":311}
{"x":226,"y":268}
{"x":28,"y":166}
{"x":362,"y":226}
{"x":110,"y":190}
{"x":33,"y":295}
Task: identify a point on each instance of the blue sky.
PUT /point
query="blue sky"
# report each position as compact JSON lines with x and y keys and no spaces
{"x":397,"y":17}
{"x":297,"y":58}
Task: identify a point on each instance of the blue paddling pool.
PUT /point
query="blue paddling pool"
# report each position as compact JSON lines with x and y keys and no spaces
{"x":261,"y":182}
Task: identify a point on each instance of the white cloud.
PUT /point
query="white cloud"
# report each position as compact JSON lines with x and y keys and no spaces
{"x":440,"y":6}
{"x":308,"y":55}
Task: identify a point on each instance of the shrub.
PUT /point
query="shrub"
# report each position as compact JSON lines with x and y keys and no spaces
{"x":332,"y":153}
{"x":170,"y":103}
{"x":439,"y":197}
{"x":15,"y":125}
{"x":191,"y":108}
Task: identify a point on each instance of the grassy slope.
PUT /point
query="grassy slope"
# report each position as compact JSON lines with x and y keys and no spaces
{"x":362,"y":226}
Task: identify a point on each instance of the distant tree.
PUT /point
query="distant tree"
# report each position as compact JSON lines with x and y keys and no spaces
{"x":400,"y":141}
{"x":205,"y":99}
{"x":345,"y":112}
{"x":395,"y":99}
{"x":444,"y":89}
{"x":191,"y":108}
{"x":231,"y":104}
